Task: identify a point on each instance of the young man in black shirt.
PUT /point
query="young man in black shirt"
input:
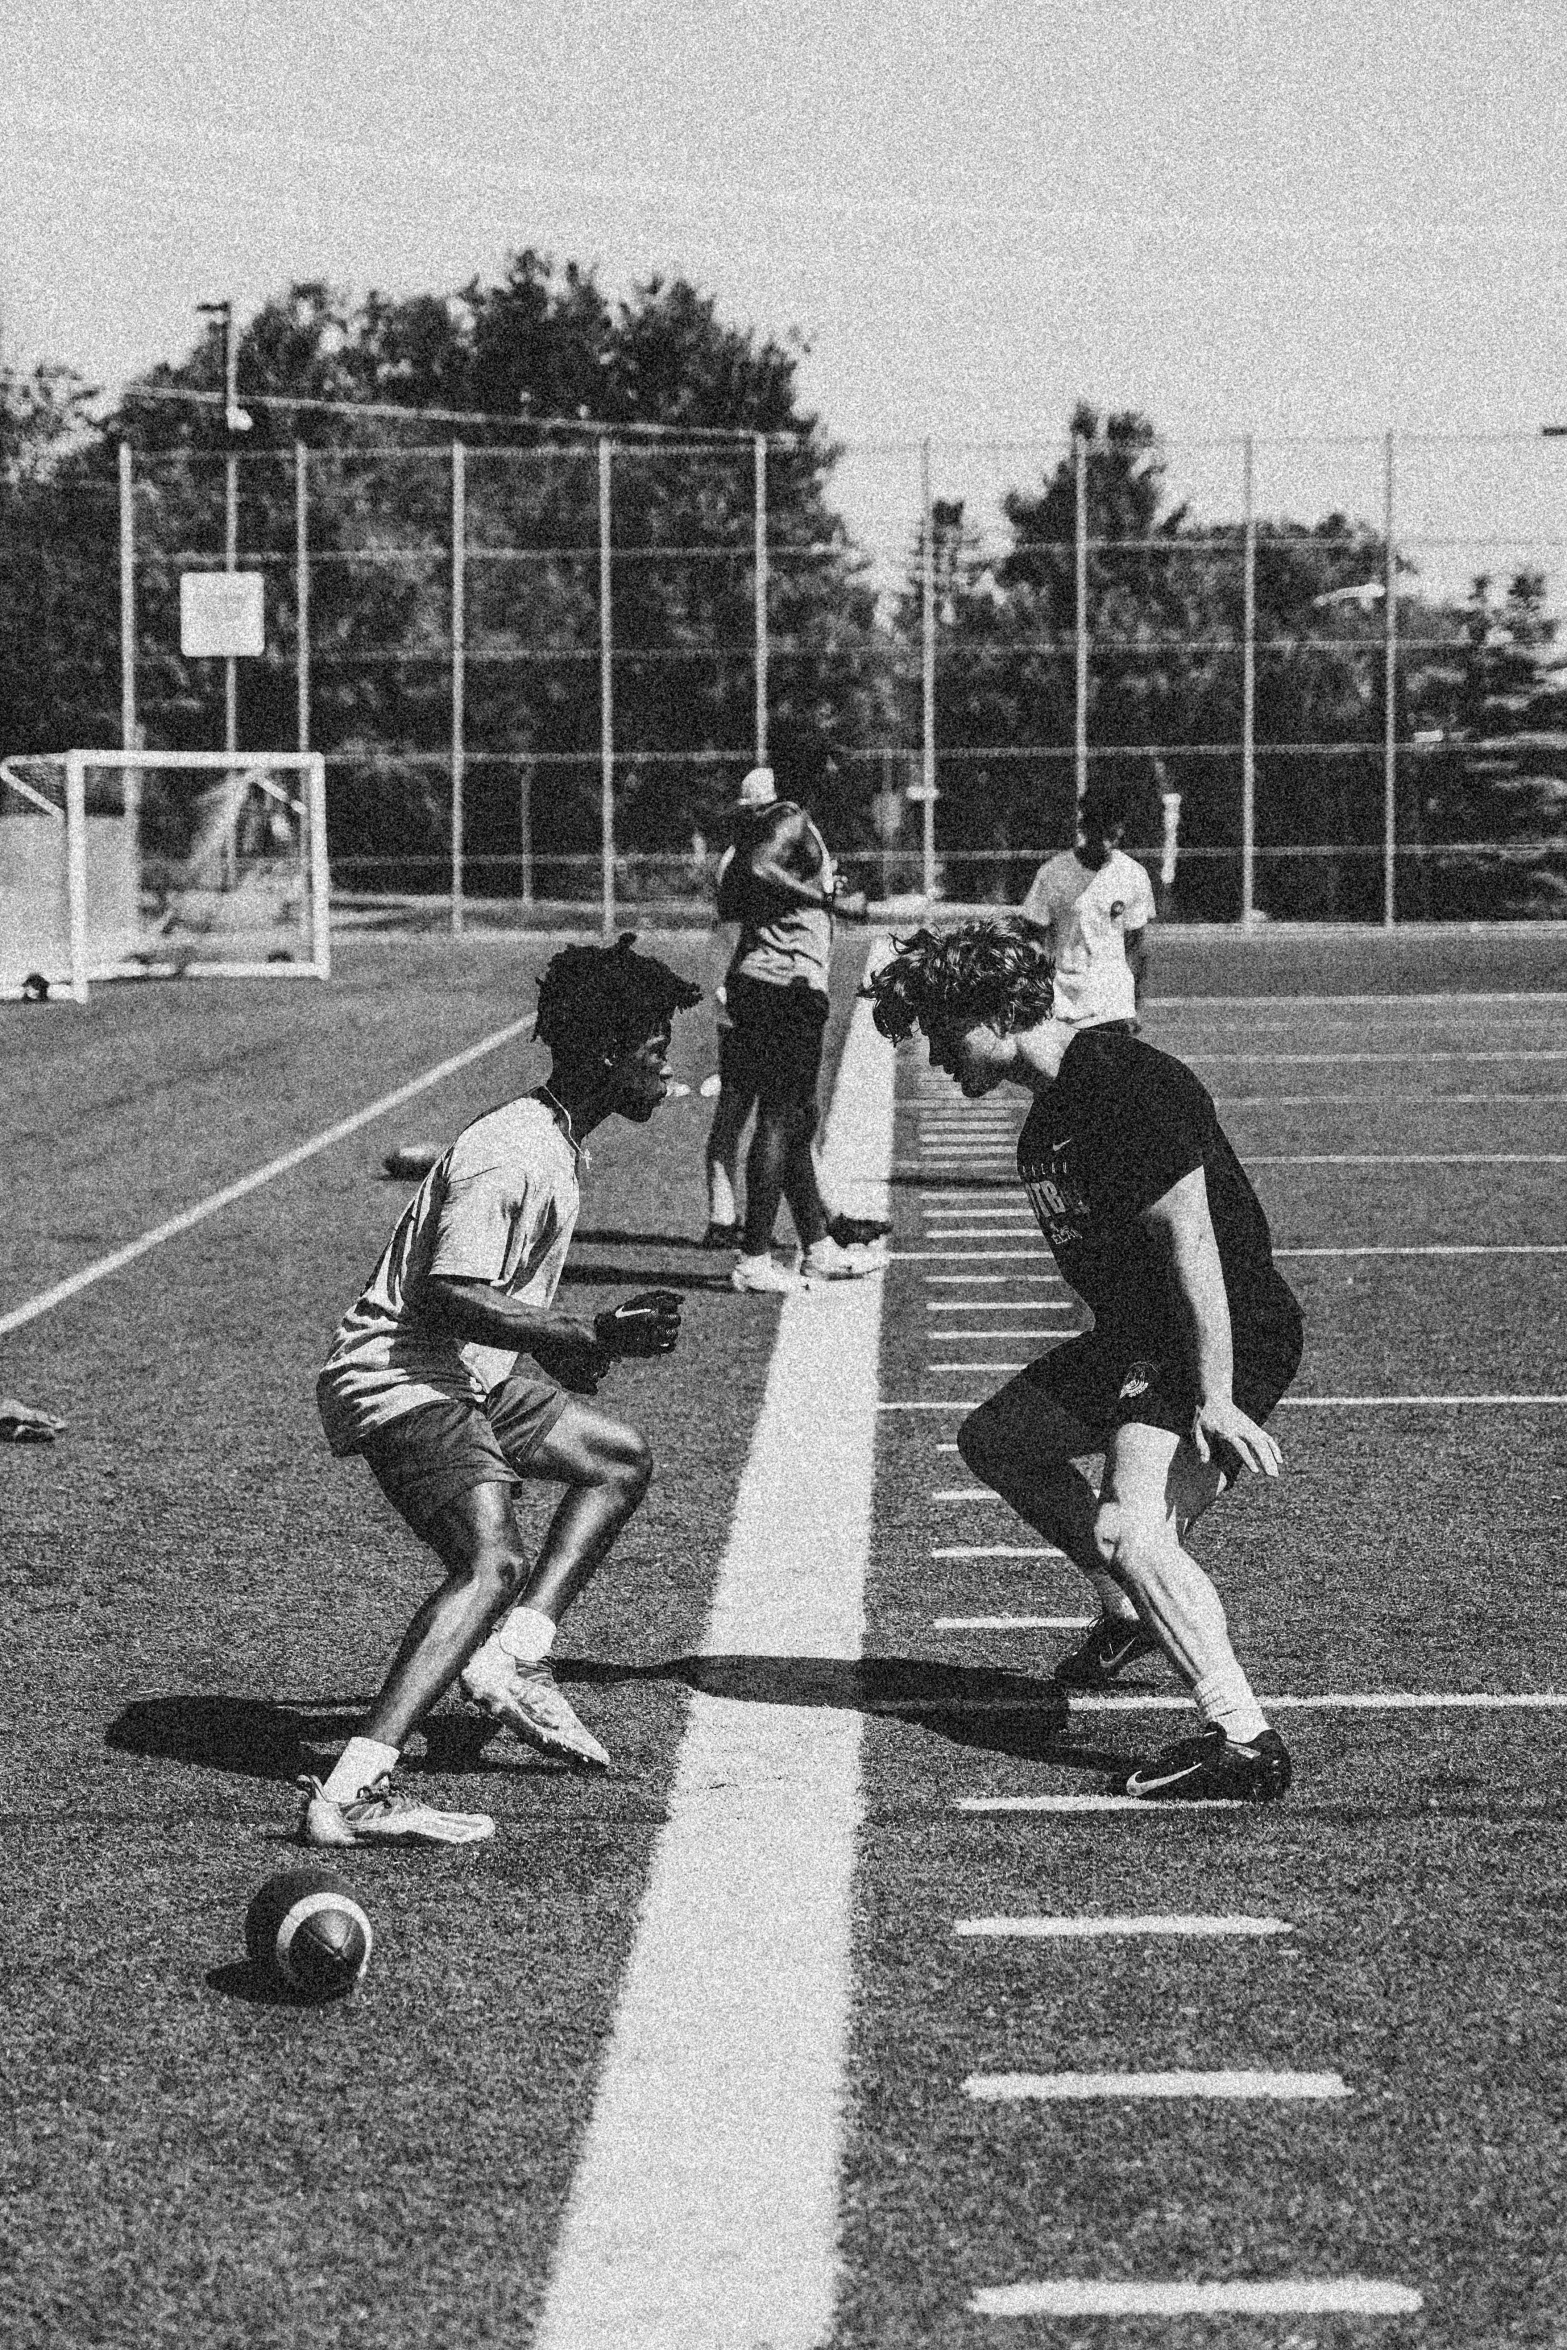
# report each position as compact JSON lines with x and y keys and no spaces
{"x":1196,"y":1335}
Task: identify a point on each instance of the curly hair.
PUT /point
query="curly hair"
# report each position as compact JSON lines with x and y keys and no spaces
{"x":597,"y":1001}
{"x":988,"y":972}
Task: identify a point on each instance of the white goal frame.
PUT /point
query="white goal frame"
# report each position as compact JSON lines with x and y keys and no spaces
{"x":308,"y":766}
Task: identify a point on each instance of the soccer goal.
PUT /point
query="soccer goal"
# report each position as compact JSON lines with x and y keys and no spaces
{"x":162,"y":864}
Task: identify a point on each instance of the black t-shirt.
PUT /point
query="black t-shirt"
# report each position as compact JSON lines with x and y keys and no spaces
{"x":1123,"y":1123}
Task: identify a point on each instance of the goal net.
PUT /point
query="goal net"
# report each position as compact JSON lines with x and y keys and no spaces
{"x":163,"y":864}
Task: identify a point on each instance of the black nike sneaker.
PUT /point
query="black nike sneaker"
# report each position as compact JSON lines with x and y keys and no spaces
{"x":1113,"y":1643}
{"x":1214,"y":1768}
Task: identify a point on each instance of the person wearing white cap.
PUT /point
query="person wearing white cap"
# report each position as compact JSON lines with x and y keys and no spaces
{"x":778,"y":884}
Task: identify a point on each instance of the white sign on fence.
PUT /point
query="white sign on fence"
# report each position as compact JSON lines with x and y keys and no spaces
{"x":221,"y":614}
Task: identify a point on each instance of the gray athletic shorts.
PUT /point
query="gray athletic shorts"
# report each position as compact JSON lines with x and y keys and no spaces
{"x":440,"y":1451}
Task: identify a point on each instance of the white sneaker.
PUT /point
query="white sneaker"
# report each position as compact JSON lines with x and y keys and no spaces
{"x":764,"y":1273}
{"x":377,"y":1816}
{"x":526,"y":1700}
{"x":825,"y":1261}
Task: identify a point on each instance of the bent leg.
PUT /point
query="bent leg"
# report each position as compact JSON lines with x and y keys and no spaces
{"x":723,"y":1149}
{"x":476,"y":1539}
{"x":1155,"y":1490}
{"x":1023,"y":1444}
{"x":606,"y":1468}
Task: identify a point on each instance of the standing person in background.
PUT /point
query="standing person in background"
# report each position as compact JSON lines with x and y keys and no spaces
{"x":736,"y":1092}
{"x":779,"y":886}
{"x":1092,"y":906}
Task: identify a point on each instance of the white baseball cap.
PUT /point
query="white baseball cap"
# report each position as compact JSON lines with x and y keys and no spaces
{"x":757,"y":789}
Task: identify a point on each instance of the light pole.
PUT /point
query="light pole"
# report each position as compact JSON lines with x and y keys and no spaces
{"x":235,"y":420}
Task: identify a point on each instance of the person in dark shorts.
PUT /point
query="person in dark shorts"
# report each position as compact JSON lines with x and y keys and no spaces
{"x":779,"y":887}
{"x":1196,"y":1335}
{"x":429,"y":1380}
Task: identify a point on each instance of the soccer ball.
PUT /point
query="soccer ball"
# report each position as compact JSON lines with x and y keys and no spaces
{"x":308,"y":1934}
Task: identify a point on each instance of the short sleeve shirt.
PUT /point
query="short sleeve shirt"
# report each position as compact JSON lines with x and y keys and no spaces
{"x":1088,"y":915}
{"x":500,"y":1207}
{"x":1122,"y":1125}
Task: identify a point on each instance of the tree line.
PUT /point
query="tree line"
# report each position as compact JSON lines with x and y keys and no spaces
{"x":510,"y":368}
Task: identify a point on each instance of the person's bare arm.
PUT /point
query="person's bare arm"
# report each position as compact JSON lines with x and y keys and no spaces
{"x":476,"y":1313}
{"x":788,"y":861}
{"x":1180,"y":1220}
{"x":1137,"y":960}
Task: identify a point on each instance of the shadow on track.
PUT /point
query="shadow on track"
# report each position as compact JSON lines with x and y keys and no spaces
{"x":997,"y":1712}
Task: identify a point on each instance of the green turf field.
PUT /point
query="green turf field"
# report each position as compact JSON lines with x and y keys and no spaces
{"x":197,"y":1598}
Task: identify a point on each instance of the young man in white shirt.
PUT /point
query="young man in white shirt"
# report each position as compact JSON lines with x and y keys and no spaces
{"x":1092,"y":906}
{"x":427,"y":1380}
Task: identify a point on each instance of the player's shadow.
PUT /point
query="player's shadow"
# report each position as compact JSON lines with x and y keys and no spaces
{"x":964,"y":1182}
{"x":606,"y":1237}
{"x":623,"y":1276}
{"x":255,"y":1737}
{"x":997,"y":1712}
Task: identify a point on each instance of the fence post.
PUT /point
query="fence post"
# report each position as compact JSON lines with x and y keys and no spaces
{"x":1389,"y":696}
{"x":761,"y":599}
{"x":927,"y":677}
{"x":230,"y":563}
{"x":301,"y":597}
{"x":1248,"y":688}
{"x":606,"y":696}
{"x":459,"y":668}
{"x":128,"y":739}
{"x":1080,"y":535}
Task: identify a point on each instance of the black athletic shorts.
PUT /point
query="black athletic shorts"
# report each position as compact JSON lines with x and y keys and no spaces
{"x":775,"y":1044}
{"x":1111,"y":1381}
{"x":432,"y":1455}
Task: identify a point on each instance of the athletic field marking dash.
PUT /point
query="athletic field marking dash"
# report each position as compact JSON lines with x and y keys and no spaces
{"x":1010,"y":1623}
{"x":1132,"y":1805}
{"x":102,"y":1267}
{"x":1178,"y":2297}
{"x":1014,"y":2088}
{"x":1088,"y":1929}
{"x":995,"y":1550}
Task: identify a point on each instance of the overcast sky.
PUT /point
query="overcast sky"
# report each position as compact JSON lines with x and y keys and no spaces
{"x":1278,"y":217}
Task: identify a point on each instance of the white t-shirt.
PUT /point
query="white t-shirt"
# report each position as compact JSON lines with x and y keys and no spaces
{"x":500,"y":1207}
{"x":1088,"y":916}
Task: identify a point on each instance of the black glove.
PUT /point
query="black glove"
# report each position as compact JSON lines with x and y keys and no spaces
{"x":647,"y":1324}
{"x":570,"y":1364}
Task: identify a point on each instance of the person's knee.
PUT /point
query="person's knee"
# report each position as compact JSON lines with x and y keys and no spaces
{"x":625,"y":1463}
{"x":977,"y":1444}
{"x":1137,"y":1547}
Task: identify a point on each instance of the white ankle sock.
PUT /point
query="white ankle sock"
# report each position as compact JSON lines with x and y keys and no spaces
{"x":361,"y":1763}
{"x":526,"y":1635}
{"x":1225,"y":1697}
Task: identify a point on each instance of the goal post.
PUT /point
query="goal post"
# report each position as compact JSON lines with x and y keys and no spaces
{"x":43,"y":880}
{"x":175,"y":864}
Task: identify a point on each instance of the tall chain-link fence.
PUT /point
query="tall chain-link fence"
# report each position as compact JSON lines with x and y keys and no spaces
{"x":1323,"y":674}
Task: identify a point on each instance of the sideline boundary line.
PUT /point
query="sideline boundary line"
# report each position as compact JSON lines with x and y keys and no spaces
{"x":696,"y":2220}
{"x":101,"y":1267}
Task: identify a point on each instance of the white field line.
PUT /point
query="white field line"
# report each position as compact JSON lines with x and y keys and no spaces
{"x":1014,"y":2088}
{"x":968,"y":1256}
{"x":1010,"y":1623}
{"x":1431,"y":1101}
{"x":1416,"y":1159}
{"x":1344,"y":1060}
{"x":970,"y":1493}
{"x":969,"y":1403}
{"x":941,"y":1367}
{"x":1127,"y":1805}
{"x":1365,"y":1701}
{"x":995,"y":1550}
{"x":1178,"y":2297}
{"x":995,"y":1280}
{"x":1086,"y":1929}
{"x":689,"y":2226}
{"x":964,"y":1333}
{"x":987,"y":1305}
{"x":102,"y":1267}
{"x":1505,"y":1248}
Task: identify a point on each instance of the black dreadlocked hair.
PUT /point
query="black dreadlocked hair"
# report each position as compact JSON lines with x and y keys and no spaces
{"x":597,"y":1002}
{"x":982,"y":972}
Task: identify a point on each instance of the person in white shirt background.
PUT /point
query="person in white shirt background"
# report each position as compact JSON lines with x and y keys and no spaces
{"x":1092,"y":905}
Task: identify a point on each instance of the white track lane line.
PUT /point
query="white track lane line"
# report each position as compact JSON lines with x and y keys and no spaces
{"x":1346,"y":1060}
{"x":1106,"y":1929}
{"x":994,"y":1550}
{"x":1128,"y":1806}
{"x":996,"y":1305}
{"x":1178,"y":2297}
{"x":1010,"y":1623}
{"x":941,"y":1368}
{"x":1015,"y":2088}
{"x":102,"y":1267}
{"x":699,"y":2218}
{"x":1417,"y":1159}
{"x":1365,"y":1701}
{"x":969,"y":1403}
